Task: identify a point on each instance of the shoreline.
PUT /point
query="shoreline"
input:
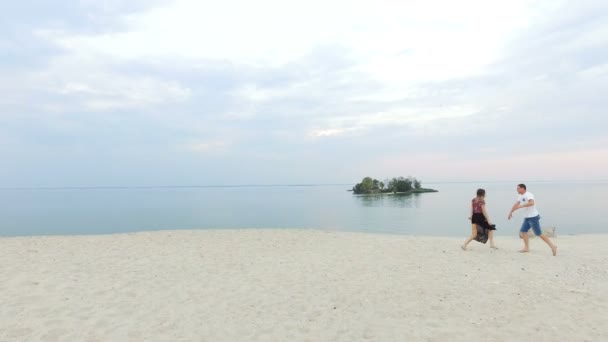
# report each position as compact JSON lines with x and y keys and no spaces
{"x":299,"y":284}
{"x":504,"y":233}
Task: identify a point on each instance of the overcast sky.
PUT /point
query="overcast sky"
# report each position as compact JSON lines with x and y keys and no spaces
{"x":227,"y":92}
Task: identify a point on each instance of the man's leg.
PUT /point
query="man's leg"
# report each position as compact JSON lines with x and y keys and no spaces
{"x":525,"y":227}
{"x":551,"y":245}
{"x":535,"y":223}
{"x":524,"y":236}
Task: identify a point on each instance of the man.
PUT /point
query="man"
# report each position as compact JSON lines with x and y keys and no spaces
{"x":526,"y":202}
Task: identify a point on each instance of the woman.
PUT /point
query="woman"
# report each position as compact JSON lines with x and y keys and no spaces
{"x":479,"y":217}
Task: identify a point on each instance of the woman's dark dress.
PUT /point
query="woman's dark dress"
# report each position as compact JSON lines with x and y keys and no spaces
{"x":480,"y":220}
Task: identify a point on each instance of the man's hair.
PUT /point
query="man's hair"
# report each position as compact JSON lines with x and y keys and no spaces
{"x":523,"y":186}
{"x":481,"y":192}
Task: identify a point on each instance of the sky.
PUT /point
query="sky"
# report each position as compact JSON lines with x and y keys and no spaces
{"x":197,"y":92}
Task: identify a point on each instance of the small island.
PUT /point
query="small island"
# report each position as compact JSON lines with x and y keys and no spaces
{"x":396,"y":185}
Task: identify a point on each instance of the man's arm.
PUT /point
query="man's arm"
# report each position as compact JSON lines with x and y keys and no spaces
{"x":515,"y":207}
{"x":529,"y":204}
{"x":519,"y":206}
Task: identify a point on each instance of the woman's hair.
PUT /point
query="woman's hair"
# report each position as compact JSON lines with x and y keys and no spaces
{"x":481,"y":192}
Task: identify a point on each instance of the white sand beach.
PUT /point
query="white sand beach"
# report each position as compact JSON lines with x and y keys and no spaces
{"x":300,"y":285}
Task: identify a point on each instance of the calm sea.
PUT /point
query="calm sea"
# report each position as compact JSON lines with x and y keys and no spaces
{"x":572,"y":207}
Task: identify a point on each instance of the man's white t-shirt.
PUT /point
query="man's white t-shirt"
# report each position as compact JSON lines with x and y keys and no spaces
{"x":528,"y":211}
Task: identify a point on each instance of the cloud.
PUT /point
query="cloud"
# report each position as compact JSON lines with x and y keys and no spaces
{"x":446,"y":84}
{"x":206,"y":147}
{"x":332,"y":132}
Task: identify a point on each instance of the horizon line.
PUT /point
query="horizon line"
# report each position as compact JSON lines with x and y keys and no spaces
{"x":271,"y":185}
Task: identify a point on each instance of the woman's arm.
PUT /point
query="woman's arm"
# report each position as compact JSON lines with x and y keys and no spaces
{"x":471,"y":213}
{"x":485,"y":214}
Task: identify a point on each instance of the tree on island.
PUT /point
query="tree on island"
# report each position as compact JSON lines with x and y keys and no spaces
{"x":395,"y":185}
{"x":369,"y":186}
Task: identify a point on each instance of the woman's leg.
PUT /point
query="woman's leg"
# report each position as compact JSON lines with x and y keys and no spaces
{"x":491,"y":238}
{"x":470,"y":238}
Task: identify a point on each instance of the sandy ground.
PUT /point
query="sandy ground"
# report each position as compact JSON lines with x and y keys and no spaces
{"x":300,"y":285}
